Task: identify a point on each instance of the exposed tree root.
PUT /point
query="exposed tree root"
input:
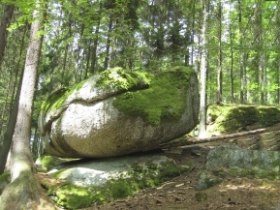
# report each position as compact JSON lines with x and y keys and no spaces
{"x":25,"y":193}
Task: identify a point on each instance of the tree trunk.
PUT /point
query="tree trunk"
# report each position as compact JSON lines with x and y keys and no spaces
{"x":88,"y":58}
{"x":277,"y":43}
{"x":203,"y":71}
{"x":278,"y":79}
{"x":260,"y":51}
{"x":21,"y":154}
{"x":243,"y":80}
{"x":192,"y":32}
{"x":231,"y":66}
{"x":7,"y":140}
{"x":5,"y":21}
{"x":108,"y":44}
{"x":220,"y":61}
{"x":24,"y":191}
{"x":13,"y":103}
{"x":95,"y":43}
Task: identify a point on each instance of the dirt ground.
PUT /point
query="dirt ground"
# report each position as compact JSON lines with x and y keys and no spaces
{"x":233,"y":193}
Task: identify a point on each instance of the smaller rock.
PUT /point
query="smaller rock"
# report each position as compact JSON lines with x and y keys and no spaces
{"x":99,"y":181}
{"x":243,"y":162}
{"x":207,"y":180}
{"x":98,"y":172}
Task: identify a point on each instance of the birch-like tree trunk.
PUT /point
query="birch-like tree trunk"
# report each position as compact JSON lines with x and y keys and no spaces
{"x":203,"y":71}
{"x":231,"y":65}
{"x":220,"y":57}
{"x":243,"y":76}
{"x":21,"y":155}
{"x":24,"y":191}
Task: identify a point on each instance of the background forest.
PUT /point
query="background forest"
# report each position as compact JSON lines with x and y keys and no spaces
{"x":240,"y":45}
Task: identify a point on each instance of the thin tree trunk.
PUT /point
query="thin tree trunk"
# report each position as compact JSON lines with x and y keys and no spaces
{"x":95,"y":43}
{"x":220,"y":61}
{"x":108,"y":44}
{"x":203,"y":71}
{"x":88,"y":59}
{"x":94,"y":50}
{"x":7,"y":141}
{"x":260,"y":51}
{"x":243,"y":81}
{"x":20,"y":148}
{"x":278,"y":80}
{"x":24,"y":191}
{"x":5,"y":21}
{"x":64,"y":63}
{"x":231,"y":66}
{"x":192,"y":32}
{"x":13,"y":109}
{"x":66,"y":51}
{"x":278,"y":52}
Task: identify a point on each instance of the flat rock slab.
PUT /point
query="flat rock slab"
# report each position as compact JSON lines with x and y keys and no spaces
{"x":98,"y":172}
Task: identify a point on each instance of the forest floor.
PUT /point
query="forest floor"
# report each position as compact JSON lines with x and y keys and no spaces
{"x":232,"y":193}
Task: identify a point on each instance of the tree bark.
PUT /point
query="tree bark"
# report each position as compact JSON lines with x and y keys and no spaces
{"x":260,"y":51}
{"x":21,"y":154}
{"x":24,"y":191}
{"x":13,"y":108}
{"x":243,"y":80}
{"x":231,"y":66}
{"x":220,"y":57}
{"x":7,"y":140}
{"x":277,"y":43}
{"x":108,"y":44}
{"x":203,"y":71}
{"x":5,"y":21}
{"x":95,"y":43}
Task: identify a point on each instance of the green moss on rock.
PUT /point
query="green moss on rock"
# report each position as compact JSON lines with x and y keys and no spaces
{"x":122,"y":79}
{"x":47,"y":162}
{"x":72,"y":197}
{"x":164,"y":99}
{"x":58,"y":98}
{"x":232,"y":118}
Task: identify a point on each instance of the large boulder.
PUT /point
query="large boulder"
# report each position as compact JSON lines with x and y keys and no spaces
{"x":118,"y":112}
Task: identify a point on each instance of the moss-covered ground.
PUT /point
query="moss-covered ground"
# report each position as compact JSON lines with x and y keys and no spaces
{"x":71,"y":196}
{"x":233,"y":118}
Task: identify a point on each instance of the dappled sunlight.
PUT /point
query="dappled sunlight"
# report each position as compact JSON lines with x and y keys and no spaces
{"x":246,"y":184}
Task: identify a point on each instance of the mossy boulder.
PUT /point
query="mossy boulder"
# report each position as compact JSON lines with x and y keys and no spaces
{"x":234,"y":118}
{"x":119,"y":112}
